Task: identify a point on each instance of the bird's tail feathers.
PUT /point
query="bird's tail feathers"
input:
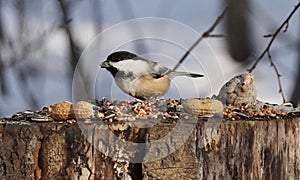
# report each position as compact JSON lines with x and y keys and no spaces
{"x":180,"y":73}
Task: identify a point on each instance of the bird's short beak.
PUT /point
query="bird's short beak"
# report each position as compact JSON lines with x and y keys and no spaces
{"x":105,"y":64}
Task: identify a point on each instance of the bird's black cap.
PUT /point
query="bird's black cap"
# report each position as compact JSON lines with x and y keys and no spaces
{"x":120,"y":55}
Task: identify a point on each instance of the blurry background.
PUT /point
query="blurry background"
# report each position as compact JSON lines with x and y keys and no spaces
{"x":41,"y":42}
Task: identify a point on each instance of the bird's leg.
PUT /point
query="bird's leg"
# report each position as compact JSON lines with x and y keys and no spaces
{"x":151,"y":101}
{"x":138,"y":100}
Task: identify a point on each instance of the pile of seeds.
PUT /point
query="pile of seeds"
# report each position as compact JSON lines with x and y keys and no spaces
{"x":160,"y":109}
{"x":236,"y":100}
{"x":260,"y":110}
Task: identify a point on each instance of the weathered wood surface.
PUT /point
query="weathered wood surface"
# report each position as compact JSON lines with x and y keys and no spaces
{"x":267,"y":149}
{"x":49,"y":151}
{"x":238,"y":150}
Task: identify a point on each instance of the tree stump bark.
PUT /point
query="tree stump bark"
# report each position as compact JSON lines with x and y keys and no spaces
{"x":267,"y":149}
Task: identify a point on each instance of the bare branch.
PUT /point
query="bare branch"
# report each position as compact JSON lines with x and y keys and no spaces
{"x":268,"y":35}
{"x":278,"y":76}
{"x":66,"y":21}
{"x":204,"y":35}
{"x":217,"y":35}
{"x":274,"y":35}
{"x":286,"y":27}
{"x":267,"y":49}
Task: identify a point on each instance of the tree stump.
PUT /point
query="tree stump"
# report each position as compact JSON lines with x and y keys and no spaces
{"x":245,"y":149}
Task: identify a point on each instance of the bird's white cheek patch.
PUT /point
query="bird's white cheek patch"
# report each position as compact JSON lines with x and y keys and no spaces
{"x":136,"y":66}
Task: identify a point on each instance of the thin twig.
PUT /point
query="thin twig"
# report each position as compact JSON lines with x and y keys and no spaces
{"x":278,"y":76}
{"x":267,"y":49}
{"x":274,"y":35}
{"x":204,"y":35}
{"x":66,"y":20}
{"x":217,"y":35}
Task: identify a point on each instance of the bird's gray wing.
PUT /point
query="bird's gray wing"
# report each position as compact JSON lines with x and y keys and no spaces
{"x":155,"y":69}
{"x":159,"y":70}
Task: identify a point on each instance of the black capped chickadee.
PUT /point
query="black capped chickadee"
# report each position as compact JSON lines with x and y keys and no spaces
{"x":139,"y":77}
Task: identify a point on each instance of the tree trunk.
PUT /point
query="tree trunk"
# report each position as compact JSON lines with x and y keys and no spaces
{"x":268,"y":149}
